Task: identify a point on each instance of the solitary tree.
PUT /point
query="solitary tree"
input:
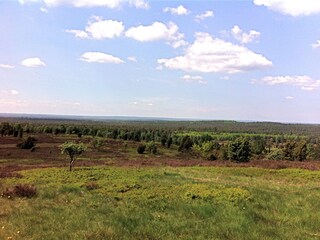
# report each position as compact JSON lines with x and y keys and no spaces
{"x":73,"y":150}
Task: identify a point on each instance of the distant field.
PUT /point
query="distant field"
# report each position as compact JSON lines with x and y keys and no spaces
{"x":164,"y":203}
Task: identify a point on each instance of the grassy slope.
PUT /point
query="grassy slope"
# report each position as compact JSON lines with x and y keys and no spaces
{"x":164,"y":203}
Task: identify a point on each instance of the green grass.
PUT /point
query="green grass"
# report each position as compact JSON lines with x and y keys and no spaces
{"x":164,"y":203}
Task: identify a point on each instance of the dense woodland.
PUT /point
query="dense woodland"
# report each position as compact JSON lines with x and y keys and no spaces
{"x":210,"y":140}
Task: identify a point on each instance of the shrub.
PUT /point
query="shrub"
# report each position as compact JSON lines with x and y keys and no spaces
{"x":20,"y":190}
{"x":275,"y":154}
{"x":91,"y":186}
{"x":141,"y":148}
{"x":239,"y":150}
{"x":28,"y":143}
{"x":151,"y":147}
{"x":185,"y":144}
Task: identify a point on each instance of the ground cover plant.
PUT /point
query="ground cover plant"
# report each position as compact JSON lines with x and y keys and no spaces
{"x":163,"y":203}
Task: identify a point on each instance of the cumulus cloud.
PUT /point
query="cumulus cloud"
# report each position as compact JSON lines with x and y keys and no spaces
{"x":209,"y":54}
{"x":157,"y":31}
{"x":197,"y":79}
{"x":291,"y":7}
{"x":98,"y":28}
{"x":100,"y":57}
{"x":316,"y":45}
{"x":6,"y":66}
{"x":180,"y":10}
{"x":33,"y":62}
{"x":304,"y":82}
{"x":90,"y":3}
{"x":204,"y":15}
{"x":243,"y":37}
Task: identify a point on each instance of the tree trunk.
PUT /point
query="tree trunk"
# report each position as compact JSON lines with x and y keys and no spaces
{"x":71,"y":164}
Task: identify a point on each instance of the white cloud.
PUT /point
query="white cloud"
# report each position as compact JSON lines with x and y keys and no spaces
{"x":204,"y":15}
{"x":209,"y":54}
{"x":304,"y":82}
{"x":90,"y":3}
{"x":157,"y":31}
{"x":14,"y":92}
{"x":292,"y":7}
{"x":198,"y":79}
{"x":33,"y":62}
{"x":100,"y":57}
{"x":98,"y":28}
{"x":180,"y":10}
{"x":78,"y":33}
{"x":132,"y":59}
{"x":139,"y":4}
{"x":242,"y":37}
{"x":44,"y":10}
{"x":11,"y":92}
{"x":289,"y":97}
{"x":6,"y":66}
{"x":316,"y":45}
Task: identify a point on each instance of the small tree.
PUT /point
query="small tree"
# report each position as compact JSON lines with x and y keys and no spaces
{"x":73,"y":150}
{"x":239,"y":150}
{"x":151,"y":147}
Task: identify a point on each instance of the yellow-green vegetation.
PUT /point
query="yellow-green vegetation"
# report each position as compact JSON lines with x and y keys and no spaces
{"x":163,"y":203}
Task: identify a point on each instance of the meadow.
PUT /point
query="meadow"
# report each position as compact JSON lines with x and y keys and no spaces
{"x":116,"y":193}
{"x":164,"y":203}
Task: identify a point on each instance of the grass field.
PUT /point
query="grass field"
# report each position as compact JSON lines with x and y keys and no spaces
{"x":163,"y":203}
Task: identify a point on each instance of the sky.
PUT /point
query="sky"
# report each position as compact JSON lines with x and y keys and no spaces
{"x":253,"y":60}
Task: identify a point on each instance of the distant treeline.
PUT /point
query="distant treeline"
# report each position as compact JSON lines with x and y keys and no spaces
{"x":209,"y":139}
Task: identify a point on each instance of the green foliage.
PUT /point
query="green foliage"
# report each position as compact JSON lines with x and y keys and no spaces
{"x":151,"y":147}
{"x":97,"y":143}
{"x":207,"y":150}
{"x":275,"y":154}
{"x":180,"y":203}
{"x":239,"y":150}
{"x":73,"y":150}
{"x":28,"y":143}
{"x":141,"y":148}
{"x":186,"y":143}
{"x":300,"y":151}
{"x":295,"y":151}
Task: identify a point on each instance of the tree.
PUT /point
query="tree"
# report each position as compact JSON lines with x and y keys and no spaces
{"x":185,"y":144}
{"x":239,"y":150}
{"x":73,"y":150}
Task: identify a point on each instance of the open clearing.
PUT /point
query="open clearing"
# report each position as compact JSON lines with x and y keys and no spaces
{"x":164,"y":203}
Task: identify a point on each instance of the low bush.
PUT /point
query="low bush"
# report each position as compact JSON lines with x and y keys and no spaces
{"x":20,"y":190}
{"x":91,"y":186}
{"x":151,"y":147}
{"x":141,"y":148}
{"x":28,"y":143}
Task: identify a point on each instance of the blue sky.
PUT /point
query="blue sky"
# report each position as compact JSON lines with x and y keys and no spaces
{"x":240,"y":60}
